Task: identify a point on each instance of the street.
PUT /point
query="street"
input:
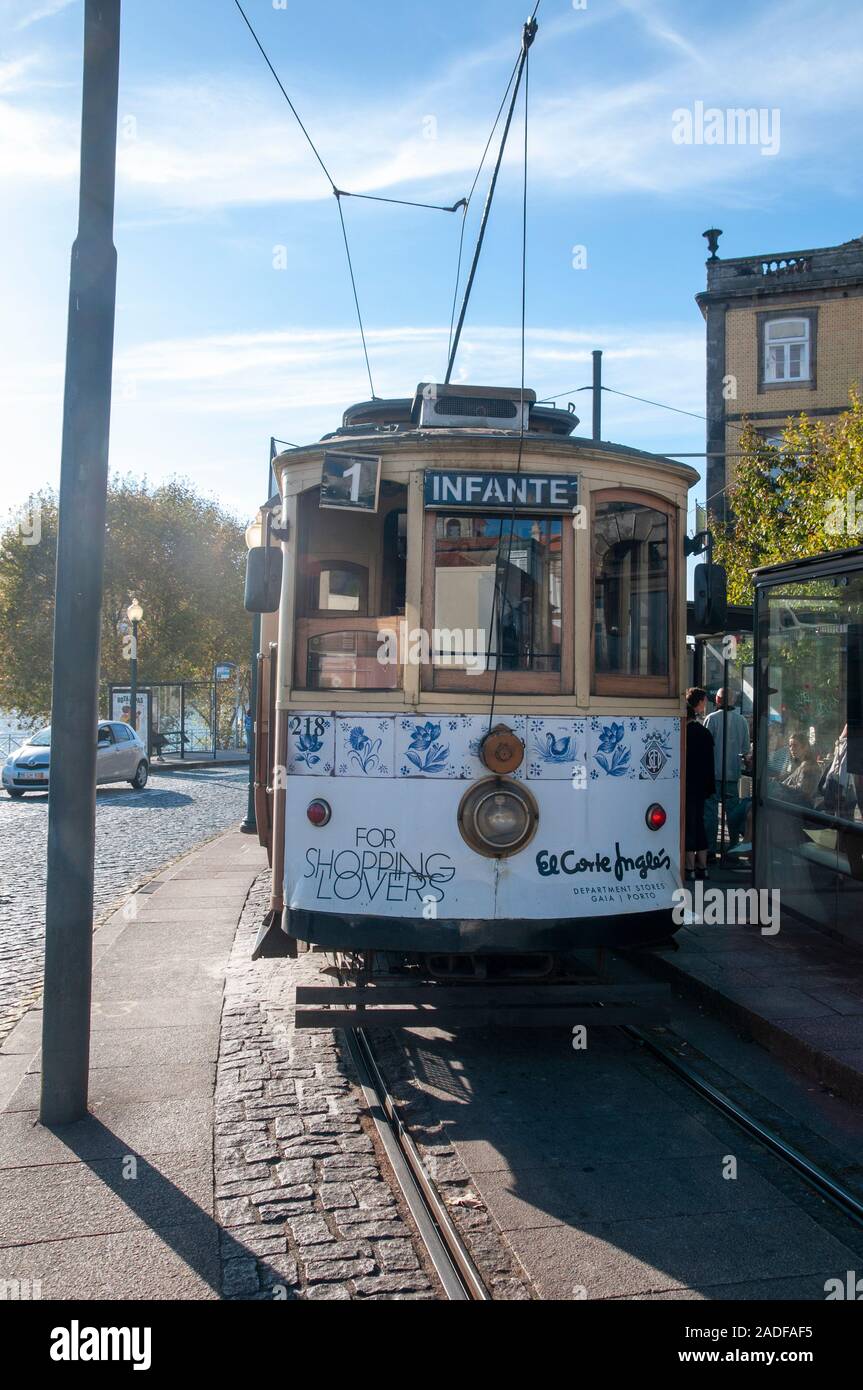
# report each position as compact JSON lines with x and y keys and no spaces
{"x":136,"y":832}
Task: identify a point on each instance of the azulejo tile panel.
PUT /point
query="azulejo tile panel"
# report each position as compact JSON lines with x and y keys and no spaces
{"x":364,"y":745}
{"x":311,"y":745}
{"x":445,"y":747}
{"x":556,"y":750}
{"x":634,"y":748}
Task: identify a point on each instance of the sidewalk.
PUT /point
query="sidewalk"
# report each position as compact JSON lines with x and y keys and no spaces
{"x":121,"y":1205}
{"x":799,"y":992}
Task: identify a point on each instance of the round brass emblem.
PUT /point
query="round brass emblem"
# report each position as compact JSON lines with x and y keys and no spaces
{"x":501,"y":750}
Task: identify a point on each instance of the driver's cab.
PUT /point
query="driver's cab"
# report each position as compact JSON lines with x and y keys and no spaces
{"x":351,"y":576}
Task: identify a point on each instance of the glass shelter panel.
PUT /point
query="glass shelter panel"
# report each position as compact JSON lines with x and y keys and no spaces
{"x":810,"y":751}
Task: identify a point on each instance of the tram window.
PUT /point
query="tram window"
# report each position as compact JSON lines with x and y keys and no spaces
{"x":631,"y":590}
{"x":501,"y":596}
{"x":341,"y":588}
{"x":351,"y":574}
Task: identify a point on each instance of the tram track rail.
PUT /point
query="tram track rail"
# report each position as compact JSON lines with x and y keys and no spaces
{"x":814,"y":1175}
{"x":453,"y":1264}
{"x":458,"y":1275}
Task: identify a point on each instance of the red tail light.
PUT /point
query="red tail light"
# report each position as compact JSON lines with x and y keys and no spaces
{"x":318,"y":811}
{"x":656,"y":816}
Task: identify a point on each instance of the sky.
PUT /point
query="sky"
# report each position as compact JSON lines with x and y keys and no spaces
{"x":235,"y":317}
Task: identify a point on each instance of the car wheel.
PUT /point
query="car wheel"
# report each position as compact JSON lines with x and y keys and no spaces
{"x":139,"y":781}
{"x":11,"y":792}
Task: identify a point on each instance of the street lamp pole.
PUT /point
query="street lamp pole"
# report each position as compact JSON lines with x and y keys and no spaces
{"x":79,"y":586}
{"x":250,"y":824}
{"x":134,"y":613}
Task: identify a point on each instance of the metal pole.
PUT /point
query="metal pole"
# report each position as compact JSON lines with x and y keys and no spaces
{"x":528,"y":35}
{"x":597,"y":393}
{"x":249,"y":826}
{"x":133,"y":673}
{"x":79,"y":581}
{"x":182,"y":719}
{"x":215,"y":710}
{"x":723,"y":821}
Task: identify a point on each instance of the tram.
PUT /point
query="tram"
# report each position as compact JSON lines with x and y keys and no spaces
{"x":470,"y":688}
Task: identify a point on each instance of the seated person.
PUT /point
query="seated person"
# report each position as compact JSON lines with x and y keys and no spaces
{"x":800,"y":779}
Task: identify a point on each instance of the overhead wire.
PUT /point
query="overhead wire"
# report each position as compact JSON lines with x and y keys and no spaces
{"x":340,"y":193}
{"x":500,"y":588}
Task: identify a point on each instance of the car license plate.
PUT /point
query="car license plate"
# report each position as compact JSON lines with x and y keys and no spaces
{"x":32,"y":776}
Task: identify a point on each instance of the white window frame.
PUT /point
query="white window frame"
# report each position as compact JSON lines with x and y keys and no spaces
{"x":783,"y":346}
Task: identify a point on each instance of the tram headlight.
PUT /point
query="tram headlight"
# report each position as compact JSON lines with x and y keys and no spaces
{"x":497,"y":817}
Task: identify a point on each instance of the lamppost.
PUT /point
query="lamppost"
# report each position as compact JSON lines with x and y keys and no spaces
{"x":254,"y":538}
{"x":80,"y":557}
{"x":134,"y":613}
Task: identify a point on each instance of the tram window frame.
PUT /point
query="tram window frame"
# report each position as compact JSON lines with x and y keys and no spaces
{"x":619,"y":683}
{"x":465,"y":681}
{"x":375,"y":581}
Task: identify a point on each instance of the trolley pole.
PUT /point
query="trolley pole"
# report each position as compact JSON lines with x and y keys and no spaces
{"x":78,"y":602}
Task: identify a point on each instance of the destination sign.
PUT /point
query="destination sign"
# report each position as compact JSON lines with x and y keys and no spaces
{"x":545,"y":492}
{"x":351,"y":481}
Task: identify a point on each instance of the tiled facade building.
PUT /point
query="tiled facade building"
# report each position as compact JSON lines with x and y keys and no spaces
{"x":784,"y":334}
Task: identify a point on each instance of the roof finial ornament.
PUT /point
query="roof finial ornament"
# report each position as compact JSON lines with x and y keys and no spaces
{"x":712,"y":234}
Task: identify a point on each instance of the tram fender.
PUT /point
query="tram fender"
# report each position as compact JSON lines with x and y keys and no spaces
{"x":272,"y":940}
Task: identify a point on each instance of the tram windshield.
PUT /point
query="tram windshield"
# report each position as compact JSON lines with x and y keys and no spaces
{"x":503,"y":586}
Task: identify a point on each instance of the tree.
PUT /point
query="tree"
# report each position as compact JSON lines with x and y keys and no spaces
{"x":179,"y":553}
{"x":801,"y":498}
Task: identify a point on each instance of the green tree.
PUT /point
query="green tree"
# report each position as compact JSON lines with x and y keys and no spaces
{"x":179,"y":553}
{"x":801,"y":498}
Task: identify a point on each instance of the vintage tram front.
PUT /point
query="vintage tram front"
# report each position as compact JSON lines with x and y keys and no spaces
{"x":470,"y":714}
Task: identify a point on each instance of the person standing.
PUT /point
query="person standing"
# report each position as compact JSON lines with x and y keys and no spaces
{"x":700,"y":782}
{"x":728,"y":766}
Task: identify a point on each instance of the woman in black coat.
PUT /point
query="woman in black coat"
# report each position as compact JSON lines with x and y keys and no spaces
{"x":700,"y":782}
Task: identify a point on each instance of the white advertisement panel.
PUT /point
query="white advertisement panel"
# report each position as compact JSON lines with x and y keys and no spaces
{"x":392,"y":846}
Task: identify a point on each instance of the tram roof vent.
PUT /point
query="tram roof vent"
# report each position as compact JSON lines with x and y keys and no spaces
{"x":437,"y":406}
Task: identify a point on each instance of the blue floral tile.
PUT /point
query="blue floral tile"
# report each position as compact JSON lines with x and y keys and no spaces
{"x":365,"y":745}
{"x":423,"y":748}
{"x":613,"y":749}
{"x":311,"y":745}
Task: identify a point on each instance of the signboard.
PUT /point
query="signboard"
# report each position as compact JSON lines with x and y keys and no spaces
{"x":224,"y":670}
{"x":121,"y":710}
{"x":488,"y":491}
{"x":351,"y":482}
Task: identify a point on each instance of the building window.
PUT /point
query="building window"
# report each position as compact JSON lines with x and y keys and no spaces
{"x":786,"y":350}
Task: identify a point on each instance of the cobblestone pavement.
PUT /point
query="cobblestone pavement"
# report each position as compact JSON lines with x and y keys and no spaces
{"x":136,"y":833}
{"x":298,"y":1178}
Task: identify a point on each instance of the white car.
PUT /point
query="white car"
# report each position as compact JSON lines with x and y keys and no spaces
{"x":121,"y":757}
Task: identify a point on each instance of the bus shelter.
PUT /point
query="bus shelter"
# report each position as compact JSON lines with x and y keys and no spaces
{"x":809,"y":738}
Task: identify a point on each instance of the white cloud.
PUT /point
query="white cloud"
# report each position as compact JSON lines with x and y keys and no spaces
{"x":214,"y":141}
{"x":46,"y":10}
{"x":204,"y":407}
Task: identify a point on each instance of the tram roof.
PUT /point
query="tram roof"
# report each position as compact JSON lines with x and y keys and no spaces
{"x":396,"y":422}
{"x":851,"y":555}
